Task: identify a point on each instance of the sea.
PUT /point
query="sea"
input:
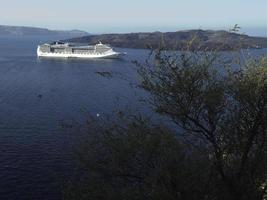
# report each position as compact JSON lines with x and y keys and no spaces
{"x":38,"y":97}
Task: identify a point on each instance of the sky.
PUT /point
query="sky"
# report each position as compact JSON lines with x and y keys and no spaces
{"x":105,"y":16}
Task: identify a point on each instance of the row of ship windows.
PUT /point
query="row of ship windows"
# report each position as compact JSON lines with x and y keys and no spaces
{"x":97,"y":53}
{"x":76,"y":51}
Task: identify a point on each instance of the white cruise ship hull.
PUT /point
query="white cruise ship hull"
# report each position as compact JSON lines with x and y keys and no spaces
{"x":111,"y":55}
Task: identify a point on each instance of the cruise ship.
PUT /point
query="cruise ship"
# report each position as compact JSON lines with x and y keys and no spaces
{"x":67,"y":50}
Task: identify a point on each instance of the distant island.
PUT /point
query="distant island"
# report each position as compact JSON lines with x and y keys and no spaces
{"x":33,"y":31}
{"x":202,"y":39}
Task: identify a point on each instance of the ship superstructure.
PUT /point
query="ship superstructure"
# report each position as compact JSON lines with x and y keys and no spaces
{"x":67,"y":50}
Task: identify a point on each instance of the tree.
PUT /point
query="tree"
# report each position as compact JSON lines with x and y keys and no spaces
{"x":222,"y":109}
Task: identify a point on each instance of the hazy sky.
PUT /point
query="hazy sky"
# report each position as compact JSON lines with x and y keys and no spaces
{"x":98,"y":16}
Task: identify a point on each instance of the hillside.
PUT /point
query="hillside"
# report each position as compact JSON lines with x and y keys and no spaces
{"x":32,"y":31}
{"x":221,"y":40}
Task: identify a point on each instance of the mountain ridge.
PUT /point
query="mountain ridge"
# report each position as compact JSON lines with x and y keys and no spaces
{"x":200,"y":39}
{"x":32,"y":31}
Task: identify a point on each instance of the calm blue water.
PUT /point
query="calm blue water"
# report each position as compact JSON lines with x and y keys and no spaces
{"x":36,"y":96}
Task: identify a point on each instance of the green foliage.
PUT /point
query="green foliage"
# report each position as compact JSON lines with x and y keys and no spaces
{"x":224,"y":109}
{"x":139,"y":161}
